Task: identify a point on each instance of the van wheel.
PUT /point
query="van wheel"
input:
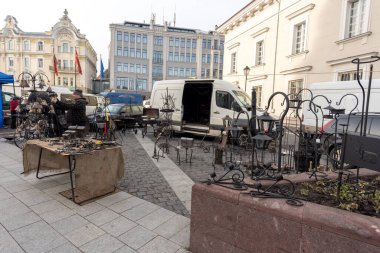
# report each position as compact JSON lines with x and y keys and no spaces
{"x":335,"y":159}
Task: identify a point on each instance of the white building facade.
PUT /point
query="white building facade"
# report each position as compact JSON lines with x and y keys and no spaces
{"x":141,"y":54}
{"x":290,"y":44}
{"x":32,"y":52}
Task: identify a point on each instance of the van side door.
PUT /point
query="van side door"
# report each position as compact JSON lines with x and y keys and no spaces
{"x":223,"y":103}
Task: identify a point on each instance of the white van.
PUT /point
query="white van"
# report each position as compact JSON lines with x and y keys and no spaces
{"x":200,"y":105}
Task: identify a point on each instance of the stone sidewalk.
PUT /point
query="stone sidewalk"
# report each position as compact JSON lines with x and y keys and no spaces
{"x":34,"y":217}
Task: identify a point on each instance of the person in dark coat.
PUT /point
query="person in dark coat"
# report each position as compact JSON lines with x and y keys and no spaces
{"x":76,"y":115}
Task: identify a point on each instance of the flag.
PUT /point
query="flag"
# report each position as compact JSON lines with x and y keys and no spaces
{"x":55,"y":63}
{"x":101,"y":69}
{"x":77,"y":63}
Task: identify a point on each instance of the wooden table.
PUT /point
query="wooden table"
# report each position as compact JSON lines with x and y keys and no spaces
{"x":92,"y":174}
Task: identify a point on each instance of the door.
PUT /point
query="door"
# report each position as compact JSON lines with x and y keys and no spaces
{"x":222,"y":105}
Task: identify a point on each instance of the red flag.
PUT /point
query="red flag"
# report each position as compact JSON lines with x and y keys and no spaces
{"x":77,"y":63}
{"x":55,"y":62}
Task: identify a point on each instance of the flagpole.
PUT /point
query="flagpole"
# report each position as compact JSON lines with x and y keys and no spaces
{"x":53,"y":66}
{"x":75,"y":70}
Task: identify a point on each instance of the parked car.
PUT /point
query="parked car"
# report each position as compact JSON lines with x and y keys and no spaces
{"x":120,"y":113}
{"x":7,"y":96}
{"x":332,"y":144}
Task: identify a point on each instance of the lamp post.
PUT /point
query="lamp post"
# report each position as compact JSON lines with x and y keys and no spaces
{"x":246,"y":73}
{"x":36,"y":77}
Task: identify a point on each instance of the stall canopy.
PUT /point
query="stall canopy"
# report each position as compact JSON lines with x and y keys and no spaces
{"x":4,"y":78}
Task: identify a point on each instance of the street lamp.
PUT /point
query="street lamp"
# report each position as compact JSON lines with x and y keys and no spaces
{"x":36,"y":77}
{"x":246,"y":73}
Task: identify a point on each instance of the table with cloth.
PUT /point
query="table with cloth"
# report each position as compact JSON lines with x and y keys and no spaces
{"x":92,"y":174}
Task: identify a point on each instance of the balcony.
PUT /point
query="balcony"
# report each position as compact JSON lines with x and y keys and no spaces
{"x":63,"y":69}
{"x":158,"y":61}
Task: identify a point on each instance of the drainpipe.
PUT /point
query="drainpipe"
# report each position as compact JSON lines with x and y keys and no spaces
{"x":275,"y":50}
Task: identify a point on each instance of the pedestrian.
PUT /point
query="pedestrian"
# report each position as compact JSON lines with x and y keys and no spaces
{"x":76,"y":109}
{"x":15,"y":101}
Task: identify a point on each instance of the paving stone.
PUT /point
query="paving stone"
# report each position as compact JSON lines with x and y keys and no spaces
{"x":159,"y":245}
{"x":88,"y":209}
{"x":102,"y":217}
{"x":5,"y":195}
{"x":69,"y":224}
{"x":126,"y":204}
{"x":118,"y":226}
{"x":65,"y":248}
{"x":56,"y":215}
{"x":84,"y":234}
{"x":15,"y":208}
{"x":172,"y":226}
{"x":20,"y":220}
{"x":30,"y":237}
{"x":113,"y":198}
{"x":17,"y":186}
{"x":7,"y":243}
{"x":125,"y":249}
{"x":182,"y":238}
{"x":140,"y":211}
{"x":32,"y":196}
{"x":137,"y":237}
{"x":103,"y":244}
{"x":155,"y":219}
{"x":47,"y":206}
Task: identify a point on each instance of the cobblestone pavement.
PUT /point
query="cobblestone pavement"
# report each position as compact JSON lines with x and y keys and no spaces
{"x":142,"y":178}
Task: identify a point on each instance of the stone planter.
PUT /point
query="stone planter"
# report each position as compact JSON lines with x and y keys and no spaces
{"x":224,"y":220}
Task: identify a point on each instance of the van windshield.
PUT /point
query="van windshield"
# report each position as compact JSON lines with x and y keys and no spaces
{"x":243,"y":99}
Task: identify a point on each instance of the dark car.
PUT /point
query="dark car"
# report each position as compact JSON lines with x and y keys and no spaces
{"x":7,"y":96}
{"x":122,"y":114}
{"x":332,"y":142}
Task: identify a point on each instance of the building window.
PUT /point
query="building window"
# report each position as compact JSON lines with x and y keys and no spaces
{"x":145,"y":39}
{"x":26,"y":62}
{"x":138,"y":53}
{"x":193,"y":73}
{"x":215,"y":73}
{"x":187,"y":57}
{"x":138,"y":68}
{"x":203,"y":72}
{"x":182,"y":42}
{"x":40,"y":62}
{"x":299,"y":38}
{"x":193,"y":57}
{"x":171,"y":42}
{"x":144,"y":69}
{"x":65,"y":64}
{"x":208,"y":58}
{"x":132,"y":38}
{"x":65,"y":81}
{"x":356,"y":17}
{"x":119,"y":67}
{"x":119,"y":35}
{"x":170,"y":71}
{"x":144,"y":54}
{"x":295,"y":86}
{"x":176,"y":56}
{"x":175,"y":71}
{"x":194,"y":43}
{"x":233,"y":63}
{"x":188,"y":43}
{"x":216,"y":58}
{"x":71,"y":50}
{"x":350,"y":75}
{"x":170,"y":56}
{"x":71,"y":64}
{"x":126,"y":37}
{"x":182,"y":57}
{"x":259,"y":53}
{"x":119,"y":51}
{"x":59,"y":80}
{"x":181,"y":72}
{"x":10,"y":62}
{"x":125,"y":52}
{"x":26,"y":45}
{"x":65,"y":47}
{"x":10,"y":45}
{"x":203,"y":58}
{"x":59,"y":49}
{"x":258,"y":95}
{"x":40,"y":46}
{"x":158,"y":40}
{"x":204,"y":43}
{"x":71,"y":81}
{"x":125,"y":67}
{"x":132,"y":52}
{"x":177,"y":42}
{"x":138,"y":38}
{"x":157,"y":57}
{"x":209,"y":44}
{"x":132,"y":68}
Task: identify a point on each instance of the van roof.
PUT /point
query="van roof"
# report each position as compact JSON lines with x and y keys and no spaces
{"x":216,"y":82}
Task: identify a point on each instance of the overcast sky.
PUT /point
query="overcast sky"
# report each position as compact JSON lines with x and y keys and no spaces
{"x":93,"y":17}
